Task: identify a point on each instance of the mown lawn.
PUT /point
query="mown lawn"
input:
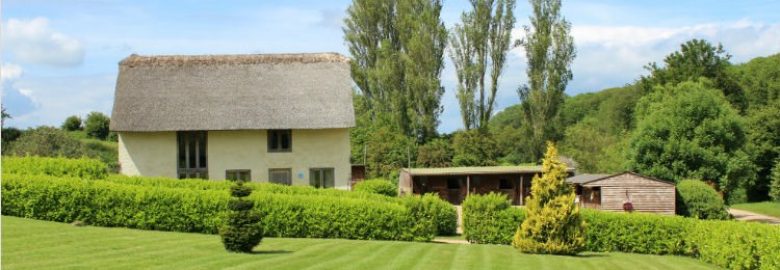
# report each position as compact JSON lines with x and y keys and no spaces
{"x":765,"y":208}
{"x":32,"y":244}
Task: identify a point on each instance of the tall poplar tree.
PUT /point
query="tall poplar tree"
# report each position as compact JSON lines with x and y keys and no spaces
{"x":550,"y":51}
{"x":397,"y":49}
{"x":477,"y":45}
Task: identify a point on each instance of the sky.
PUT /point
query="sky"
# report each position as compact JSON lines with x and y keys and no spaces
{"x":59,"y":58}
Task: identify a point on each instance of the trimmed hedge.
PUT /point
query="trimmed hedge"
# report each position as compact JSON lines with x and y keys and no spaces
{"x":490,"y":219}
{"x":81,"y":168}
{"x":696,"y":199}
{"x":106,"y":203}
{"x":442,"y":213}
{"x":377,"y":186}
{"x":728,"y":244}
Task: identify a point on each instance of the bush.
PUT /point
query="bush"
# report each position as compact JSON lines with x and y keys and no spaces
{"x":636,"y":232}
{"x":72,"y":123}
{"x":442,"y":213}
{"x":490,"y":219}
{"x":735,"y":245}
{"x":377,"y":186}
{"x":46,"y":142}
{"x":157,"y":207}
{"x":774,"y":187}
{"x":10,"y":134}
{"x":96,"y":125}
{"x":80,"y":168}
{"x":698,"y":200}
{"x":243,"y":230}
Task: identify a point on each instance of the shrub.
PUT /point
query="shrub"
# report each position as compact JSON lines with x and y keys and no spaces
{"x":10,"y":134}
{"x":552,"y":224}
{"x":636,"y":232}
{"x":157,"y":207}
{"x":490,"y":219}
{"x":96,"y":125}
{"x":774,"y":187}
{"x":377,"y":186}
{"x":44,"y":141}
{"x":698,"y":200}
{"x":442,"y":213}
{"x":81,"y":168}
{"x":72,"y":123}
{"x":243,"y":230}
{"x":735,"y":245}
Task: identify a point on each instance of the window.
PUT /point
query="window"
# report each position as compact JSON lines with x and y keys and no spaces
{"x":321,"y":177}
{"x":280,"y":176}
{"x":243,"y":175}
{"x":453,"y":183}
{"x":280,"y":140}
{"x":192,"y":149}
{"x":504,"y":184}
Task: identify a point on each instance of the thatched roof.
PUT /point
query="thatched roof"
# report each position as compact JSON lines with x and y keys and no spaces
{"x":233,"y":92}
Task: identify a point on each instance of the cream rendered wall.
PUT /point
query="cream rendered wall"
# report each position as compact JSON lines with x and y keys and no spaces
{"x":316,"y":148}
{"x":147,"y":153}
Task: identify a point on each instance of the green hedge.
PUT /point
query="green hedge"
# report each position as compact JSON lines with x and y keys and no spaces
{"x":635,"y":233}
{"x":81,"y":168}
{"x":442,"y":213}
{"x":377,"y":186}
{"x":490,"y":219}
{"x":106,"y":203}
{"x":698,"y":200}
{"x":736,"y":245}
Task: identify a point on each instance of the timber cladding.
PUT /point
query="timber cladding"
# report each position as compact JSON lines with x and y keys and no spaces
{"x":646,"y":194}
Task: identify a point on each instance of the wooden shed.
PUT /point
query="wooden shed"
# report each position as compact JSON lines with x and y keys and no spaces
{"x":610,"y":192}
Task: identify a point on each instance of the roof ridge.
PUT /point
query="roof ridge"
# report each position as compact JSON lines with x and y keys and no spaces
{"x":223,"y":59}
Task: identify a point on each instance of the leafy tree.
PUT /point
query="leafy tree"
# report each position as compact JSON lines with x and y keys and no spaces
{"x":760,"y":79}
{"x":512,"y":144}
{"x":242,"y":230}
{"x":478,"y":44}
{"x":72,"y":123}
{"x":689,"y":131}
{"x":436,"y":153}
{"x":595,"y":148}
{"x":697,"y":58}
{"x":763,"y":133}
{"x":46,"y":142}
{"x":550,"y":51}
{"x":96,"y":125}
{"x":397,"y":50}
{"x":774,"y":189}
{"x":9,"y":135}
{"x":474,"y":148}
{"x":553,"y":223}
{"x":4,"y":115}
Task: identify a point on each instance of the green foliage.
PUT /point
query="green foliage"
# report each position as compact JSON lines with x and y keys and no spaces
{"x":443,"y":214}
{"x":697,"y":58}
{"x":477,"y":44}
{"x":760,"y":79}
{"x":699,"y":200}
{"x":96,"y":125}
{"x":72,"y":123}
{"x":690,"y":131}
{"x":595,"y":148}
{"x":397,"y":48}
{"x":154,"y":206}
{"x":635,"y":232}
{"x":437,"y":153}
{"x":377,"y":186}
{"x":80,"y":168}
{"x":104,"y":151}
{"x":553,"y":224}
{"x":490,"y":219}
{"x":474,"y":148}
{"x":735,"y":245}
{"x":774,"y":189}
{"x":242,"y":231}
{"x":10,"y":134}
{"x":44,"y":141}
{"x":763,"y":133}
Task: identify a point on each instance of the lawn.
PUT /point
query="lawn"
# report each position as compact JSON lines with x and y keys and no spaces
{"x":32,"y":244}
{"x":765,"y":208}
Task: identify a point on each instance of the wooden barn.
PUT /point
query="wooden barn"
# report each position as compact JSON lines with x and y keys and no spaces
{"x":611,"y":192}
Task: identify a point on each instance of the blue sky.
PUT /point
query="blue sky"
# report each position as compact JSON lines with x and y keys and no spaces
{"x":59,"y":58}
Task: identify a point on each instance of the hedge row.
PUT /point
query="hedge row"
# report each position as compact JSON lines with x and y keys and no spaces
{"x":106,"y":203}
{"x":728,"y":244}
{"x":81,"y":168}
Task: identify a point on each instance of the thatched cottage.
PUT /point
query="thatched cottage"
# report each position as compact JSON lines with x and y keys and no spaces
{"x":281,"y":118}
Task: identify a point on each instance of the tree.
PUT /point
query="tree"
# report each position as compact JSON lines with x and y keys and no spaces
{"x":243,"y":230}
{"x":397,"y":48}
{"x":760,"y":79}
{"x":697,"y":58}
{"x":689,"y":131}
{"x":774,"y":189}
{"x":474,"y":148}
{"x":96,"y":125}
{"x":478,"y":44}
{"x":72,"y":123}
{"x":553,"y":223}
{"x":436,"y":153}
{"x":4,"y":115}
{"x":763,"y":133}
{"x":550,"y":51}
{"x":46,"y":142}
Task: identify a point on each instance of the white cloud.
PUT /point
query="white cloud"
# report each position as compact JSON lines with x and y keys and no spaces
{"x":33,"y":41}
{"x":9,"y":72}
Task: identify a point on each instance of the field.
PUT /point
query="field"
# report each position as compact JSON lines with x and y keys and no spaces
{"x":32,"y":244}
{"x":764,"y":208}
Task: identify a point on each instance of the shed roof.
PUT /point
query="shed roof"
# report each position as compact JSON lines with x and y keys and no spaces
{"x":474,"y":170}
{"x":591,"y":178}
{"x":233,"y":92}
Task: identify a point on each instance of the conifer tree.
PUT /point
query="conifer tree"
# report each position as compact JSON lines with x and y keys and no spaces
{"x":243,"y":230}
{"x":553,"y":224}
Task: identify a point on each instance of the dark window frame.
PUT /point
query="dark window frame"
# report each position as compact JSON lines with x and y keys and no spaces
{"x":323,"y":182}
{"x":276,"y":138}
{"x":287,"y":170}
{"x":192,"y":154}
{"x":238,"y":173}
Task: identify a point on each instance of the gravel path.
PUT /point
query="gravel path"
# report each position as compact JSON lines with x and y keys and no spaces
{"x":753,"y":217}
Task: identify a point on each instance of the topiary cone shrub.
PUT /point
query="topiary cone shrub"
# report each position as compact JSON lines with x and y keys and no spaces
{"x":243,"y":230}
{"x":553,"y":224}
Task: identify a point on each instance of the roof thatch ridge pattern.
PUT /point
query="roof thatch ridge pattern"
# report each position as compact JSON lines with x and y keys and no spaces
{"x":232,"y":59}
